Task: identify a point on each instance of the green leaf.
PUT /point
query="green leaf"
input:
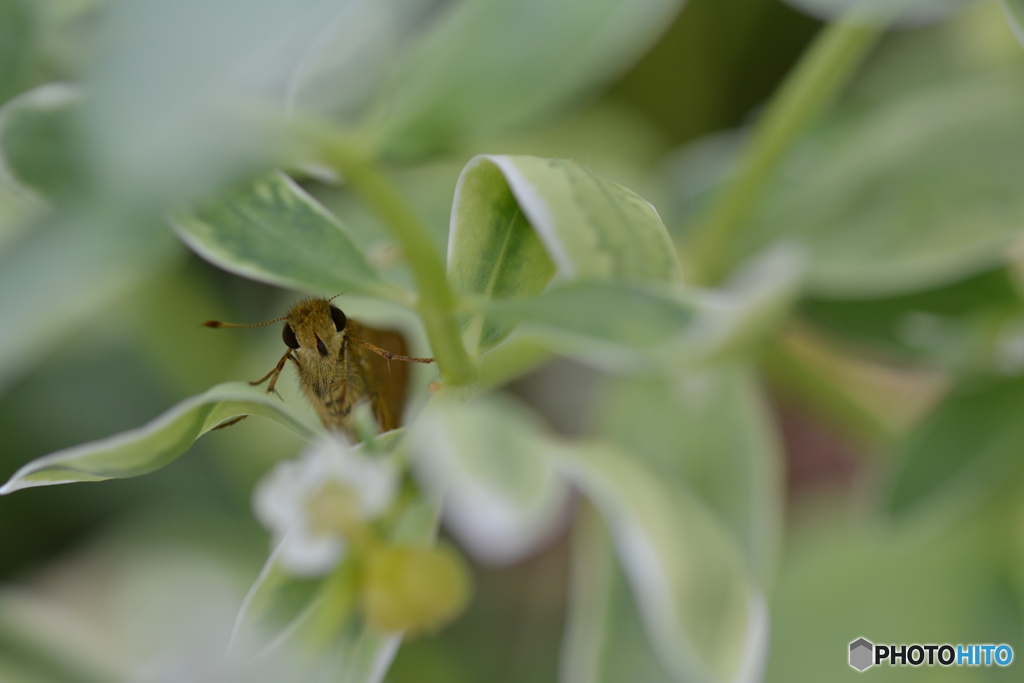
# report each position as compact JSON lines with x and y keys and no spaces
{"x":704,"y":618}
{"x":34,"y":153}
{"x":158,"y":443}
{"x":492,"y":464}
{"x":968,"y":327}
{"x":604,"y":636}
{"x":612,"y":324}
{"x":752,"y":305}
{"x":590,"y":226}
{"x":1014,"y":10}
{"x":633,"y":327}
{"x":186,"y":95}
{"x":306,"y":617}
{"x":963,"y":452}
{"x":271,"y":230}
{"x":501,"y":493}
{"x":57,"y":269}
{"x":41,"y":152}
{"x":344,"y":63}
{"x":845,"y":579}
{"x":882,"y":11}
{"x":881,"y":198}
{"x":60,"y":262}
{"x":517,"y":221}
{"x":315,"y":624}
{"x":493,"y":251}
{"x":709,"y":432}
{"x":368,"y":655}
{"x":457,"y":82}
{"x":276,"y":603}
{"x":61,"y":269}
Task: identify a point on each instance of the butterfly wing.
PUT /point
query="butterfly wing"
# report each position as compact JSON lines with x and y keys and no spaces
{"x":373,"y":378}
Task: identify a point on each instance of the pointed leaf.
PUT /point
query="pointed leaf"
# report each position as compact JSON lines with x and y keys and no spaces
{"x":708,"y":432}
{"x":493,"y":251}
{"x":271,"y":230}
{"x":158,"y":443}
{"x":604,"y":638}
{"x":590,"y":226}
{"x":631,"y":327}
{"x":458,"y":82}
{"x":968,"y":447}
{"x":516,"y":220}
{"x":616,"y":325}
{"x":274,"y":600}
{"x":703,"y":616}
{"x":369,"y":655}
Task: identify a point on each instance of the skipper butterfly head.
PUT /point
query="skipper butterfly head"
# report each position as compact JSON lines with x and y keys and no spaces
{"x":314,"y":327}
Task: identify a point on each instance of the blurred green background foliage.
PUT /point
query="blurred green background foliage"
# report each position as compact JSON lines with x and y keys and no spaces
{"x":852,"y":416}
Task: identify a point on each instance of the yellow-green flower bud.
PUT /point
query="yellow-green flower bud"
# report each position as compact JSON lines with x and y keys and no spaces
{"x":414,"y":589}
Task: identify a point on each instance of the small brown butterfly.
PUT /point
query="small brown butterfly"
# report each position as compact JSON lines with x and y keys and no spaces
{"x":340,"y":364}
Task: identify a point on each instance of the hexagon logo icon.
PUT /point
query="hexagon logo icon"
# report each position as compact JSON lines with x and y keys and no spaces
{"x":861,"y":651}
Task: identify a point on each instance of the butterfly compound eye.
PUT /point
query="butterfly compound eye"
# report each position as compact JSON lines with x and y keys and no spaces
{"x":288,"y":334}
{"x":339,"y":319}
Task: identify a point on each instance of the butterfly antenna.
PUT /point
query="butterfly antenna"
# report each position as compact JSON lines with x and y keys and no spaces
{"x":218,"y":324}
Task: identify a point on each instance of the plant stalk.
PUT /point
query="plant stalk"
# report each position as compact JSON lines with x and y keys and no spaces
{"x":810,"y":87}
{"x":436,"y":302}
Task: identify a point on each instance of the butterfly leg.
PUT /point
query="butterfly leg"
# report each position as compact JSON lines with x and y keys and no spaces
{"x":232,"y":421}
{"x":384,"y":353}
{"x":275,"y":373}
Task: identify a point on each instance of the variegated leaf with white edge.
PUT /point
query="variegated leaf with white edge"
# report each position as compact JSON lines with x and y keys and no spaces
{"x":157,"y":444}
{"x":490,"y":464}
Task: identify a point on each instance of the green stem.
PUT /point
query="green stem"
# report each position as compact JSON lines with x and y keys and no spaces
{"x":824,"y":68}
{"x":436,"y":303}
{"x":511,"y":359}
{"x":825,"y":396}
{"x":331,"y":608}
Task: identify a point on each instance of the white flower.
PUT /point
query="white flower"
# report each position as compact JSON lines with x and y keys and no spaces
{"x":313,"y":503}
